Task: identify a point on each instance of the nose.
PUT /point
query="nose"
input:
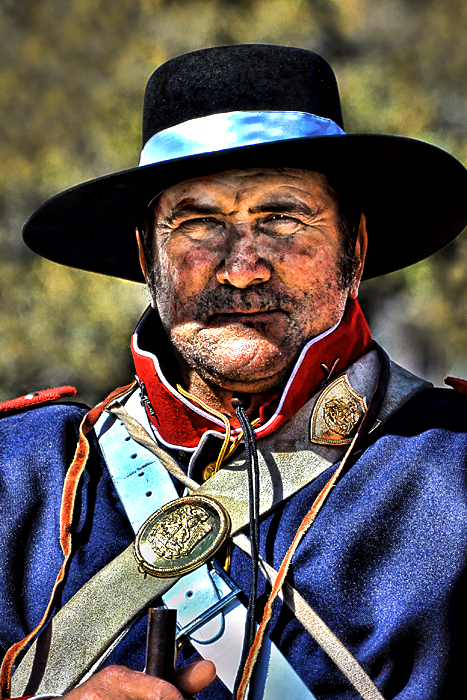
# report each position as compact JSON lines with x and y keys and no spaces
{"x":242,"y":266}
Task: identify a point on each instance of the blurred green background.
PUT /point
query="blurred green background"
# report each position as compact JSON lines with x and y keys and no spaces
{"x":72,"y":78}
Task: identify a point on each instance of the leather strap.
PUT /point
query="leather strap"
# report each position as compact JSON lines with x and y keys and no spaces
{"x":288,"y":461}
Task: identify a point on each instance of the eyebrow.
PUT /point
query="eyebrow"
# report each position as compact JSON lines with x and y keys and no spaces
{"x":190,"y":207}
{"x":285,"y":206}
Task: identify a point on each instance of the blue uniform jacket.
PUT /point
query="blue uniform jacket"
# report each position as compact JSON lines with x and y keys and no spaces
{"x":384,"y":563}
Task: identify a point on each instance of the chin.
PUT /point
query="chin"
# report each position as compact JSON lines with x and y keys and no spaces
{"x":239,"y":365}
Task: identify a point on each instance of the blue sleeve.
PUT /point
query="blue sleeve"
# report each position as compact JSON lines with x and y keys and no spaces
{"x":36,"y":448}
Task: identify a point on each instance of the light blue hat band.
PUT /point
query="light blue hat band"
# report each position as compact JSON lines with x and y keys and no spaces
{"x":218,"y":132}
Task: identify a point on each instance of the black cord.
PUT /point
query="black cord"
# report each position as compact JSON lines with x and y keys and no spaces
{"x":252,"y":466}
{"x":253,"y":488}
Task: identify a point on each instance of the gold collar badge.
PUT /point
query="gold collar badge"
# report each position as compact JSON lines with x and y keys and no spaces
{"x":337,"y":413}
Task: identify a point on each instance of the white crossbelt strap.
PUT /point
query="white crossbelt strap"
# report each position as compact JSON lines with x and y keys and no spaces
{"x":143,"y":484}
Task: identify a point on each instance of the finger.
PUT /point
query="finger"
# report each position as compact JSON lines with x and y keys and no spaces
{"x":193,"y":678}
{"x":119,"y":683}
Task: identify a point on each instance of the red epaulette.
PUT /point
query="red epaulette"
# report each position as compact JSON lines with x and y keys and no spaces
{"x":459,"y":385}
{"x":37,"y":397}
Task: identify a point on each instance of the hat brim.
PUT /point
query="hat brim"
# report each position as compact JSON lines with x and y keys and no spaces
{"x":413,"y":194}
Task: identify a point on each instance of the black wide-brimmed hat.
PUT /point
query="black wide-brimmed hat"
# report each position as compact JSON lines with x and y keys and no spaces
{"x":255,"y":106}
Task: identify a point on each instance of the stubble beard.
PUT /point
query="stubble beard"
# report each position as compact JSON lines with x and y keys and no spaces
{"x":238,"y":356}
{"x":242,"y":356}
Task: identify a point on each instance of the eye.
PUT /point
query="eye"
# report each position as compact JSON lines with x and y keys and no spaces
{"x":281,"y":224}
{"x":203,"y":227}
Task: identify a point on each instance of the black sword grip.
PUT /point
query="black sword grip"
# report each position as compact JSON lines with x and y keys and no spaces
{"x":160,"y":647}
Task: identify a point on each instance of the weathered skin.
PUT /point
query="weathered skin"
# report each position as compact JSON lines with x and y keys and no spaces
{"x":239,"y":292}
{"x":247,"y":270}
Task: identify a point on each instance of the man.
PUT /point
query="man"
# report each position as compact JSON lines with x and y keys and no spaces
{"x":253,"y":212}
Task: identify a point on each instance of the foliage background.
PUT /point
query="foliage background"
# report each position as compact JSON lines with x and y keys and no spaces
{"x":72,"y":80}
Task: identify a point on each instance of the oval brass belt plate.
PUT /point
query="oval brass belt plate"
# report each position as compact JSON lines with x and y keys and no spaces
{"x":181,"y":536}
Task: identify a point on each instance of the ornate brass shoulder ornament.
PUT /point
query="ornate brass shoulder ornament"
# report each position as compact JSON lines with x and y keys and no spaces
{"x":337,"y":413}
{"x":181,"y":536}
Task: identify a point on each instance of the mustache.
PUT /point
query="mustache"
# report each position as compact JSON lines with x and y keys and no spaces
{"x":222,"y":299}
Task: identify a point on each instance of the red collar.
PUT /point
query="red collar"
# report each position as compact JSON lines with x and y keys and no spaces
{"x":179,"y":423}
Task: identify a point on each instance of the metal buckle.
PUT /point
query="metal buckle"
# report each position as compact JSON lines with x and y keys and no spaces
{"x":199,"y":597}
{"x":181,"y":536}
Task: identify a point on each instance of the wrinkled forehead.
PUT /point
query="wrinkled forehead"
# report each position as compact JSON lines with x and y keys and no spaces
{"x":253,"y":184}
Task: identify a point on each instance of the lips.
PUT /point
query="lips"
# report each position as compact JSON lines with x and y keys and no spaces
{"x":221,"y":302}
{"x":246,"y":317}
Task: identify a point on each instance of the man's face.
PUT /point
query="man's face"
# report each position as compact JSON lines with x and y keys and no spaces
{"x":247,"y":269}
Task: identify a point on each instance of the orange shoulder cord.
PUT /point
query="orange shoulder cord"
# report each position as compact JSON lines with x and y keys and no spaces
{"x":304,"y":526}
{"x":70,"y":489}
{"x":283,"y":570}
{"x":365,"y":425}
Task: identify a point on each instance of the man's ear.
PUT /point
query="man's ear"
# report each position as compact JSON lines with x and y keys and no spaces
{"x":361,"y":246}
{"x":141,"y":255}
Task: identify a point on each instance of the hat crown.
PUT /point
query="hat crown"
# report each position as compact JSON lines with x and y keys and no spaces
{"x":238,"y":78}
